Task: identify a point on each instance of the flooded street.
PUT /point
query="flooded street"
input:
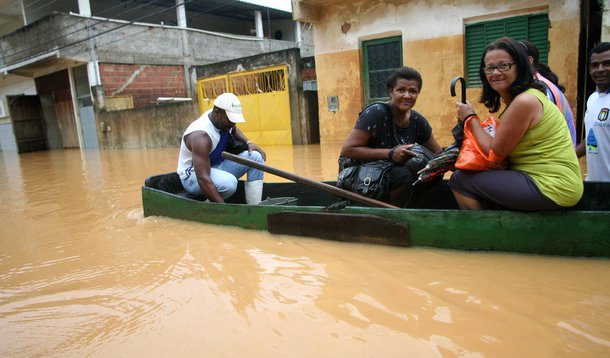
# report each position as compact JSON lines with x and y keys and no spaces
{"x":84,"y":274}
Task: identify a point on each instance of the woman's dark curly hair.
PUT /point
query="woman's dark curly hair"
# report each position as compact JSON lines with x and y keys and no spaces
{"x":407,"y":73}
{"x":525,"y":77}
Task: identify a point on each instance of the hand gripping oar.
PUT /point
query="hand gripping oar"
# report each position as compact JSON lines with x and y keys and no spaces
{"x":309,"y":182}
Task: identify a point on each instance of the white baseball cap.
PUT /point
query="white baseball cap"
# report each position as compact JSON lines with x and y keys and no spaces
{"x":230,"y":103}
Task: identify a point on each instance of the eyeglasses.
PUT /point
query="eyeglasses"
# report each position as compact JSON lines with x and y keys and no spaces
{"x":504,"y":66}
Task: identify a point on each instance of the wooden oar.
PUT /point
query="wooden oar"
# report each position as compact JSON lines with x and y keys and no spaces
{"x":312,"y":183}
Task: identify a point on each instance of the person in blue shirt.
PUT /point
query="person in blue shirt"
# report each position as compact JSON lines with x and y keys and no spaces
{"x":554,"y":90}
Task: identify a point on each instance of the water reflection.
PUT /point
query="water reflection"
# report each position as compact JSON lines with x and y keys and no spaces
{"x":83,"y":273}
{"x":10,"y":172}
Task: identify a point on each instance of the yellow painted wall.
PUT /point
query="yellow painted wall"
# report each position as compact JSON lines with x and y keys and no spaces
{"x":268,"y":118}
{"x":267,"y":111}
{"x":432,"y":34}
{"x":338,"y":74}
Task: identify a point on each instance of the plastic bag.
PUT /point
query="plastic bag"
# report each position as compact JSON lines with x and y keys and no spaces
{"x":471,"y":156}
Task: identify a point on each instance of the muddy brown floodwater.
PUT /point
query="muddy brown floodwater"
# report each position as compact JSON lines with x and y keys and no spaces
{"x":83,"y":273}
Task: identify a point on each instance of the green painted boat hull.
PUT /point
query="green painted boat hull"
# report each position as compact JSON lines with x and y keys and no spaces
{"x":571,"y":233}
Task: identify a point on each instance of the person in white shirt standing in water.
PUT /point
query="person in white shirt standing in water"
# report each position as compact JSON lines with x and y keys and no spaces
{"x":596,"y":144}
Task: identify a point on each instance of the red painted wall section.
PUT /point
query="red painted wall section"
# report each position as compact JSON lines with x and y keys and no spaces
{"x":145,"y":83}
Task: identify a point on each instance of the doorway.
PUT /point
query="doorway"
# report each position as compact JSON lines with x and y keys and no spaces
{"x":590,"y":35}
{"x":28,"y":123}
{"x":55,"y":88}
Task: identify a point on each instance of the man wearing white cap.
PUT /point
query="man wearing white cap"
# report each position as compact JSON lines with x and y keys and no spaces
{"x":201,"y":167}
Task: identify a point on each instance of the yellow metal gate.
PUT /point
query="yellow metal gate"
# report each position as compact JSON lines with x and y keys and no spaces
{"x":264,"y":98}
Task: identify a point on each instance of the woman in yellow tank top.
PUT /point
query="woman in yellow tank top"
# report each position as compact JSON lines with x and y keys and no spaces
{"x":544,"y":171}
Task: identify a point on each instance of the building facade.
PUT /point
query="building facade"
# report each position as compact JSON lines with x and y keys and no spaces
{"x":358,"y":42}
{"x":64,"y":76}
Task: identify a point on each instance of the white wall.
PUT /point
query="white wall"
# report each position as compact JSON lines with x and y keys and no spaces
{"x":606,"y":21}
{"x":14,"y":85}
{"x":11,"y":85}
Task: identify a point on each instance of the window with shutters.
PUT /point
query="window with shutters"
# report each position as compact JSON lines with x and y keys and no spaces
{"x":380,"y":57}
{"x":532,"y":27}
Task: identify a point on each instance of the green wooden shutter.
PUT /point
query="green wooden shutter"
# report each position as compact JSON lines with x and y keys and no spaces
{"x":538,"y":33}
{"x":379,"y":57}
{"x":529,"y":27}
{"x":475,"y":43}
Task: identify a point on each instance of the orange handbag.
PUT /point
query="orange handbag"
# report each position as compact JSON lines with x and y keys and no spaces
{"x":471,"y":156}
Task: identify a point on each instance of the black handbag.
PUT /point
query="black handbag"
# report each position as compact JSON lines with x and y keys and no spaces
{"x":236,"y":146}
{"x":424,"y":155}
{"x":370,"y":179}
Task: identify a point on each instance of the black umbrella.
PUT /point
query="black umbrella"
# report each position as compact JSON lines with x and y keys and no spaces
{"x":444,"y":161}
{"x":458,"y":130}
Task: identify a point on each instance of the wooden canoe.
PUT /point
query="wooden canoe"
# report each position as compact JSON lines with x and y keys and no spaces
{"x":431,"y":219}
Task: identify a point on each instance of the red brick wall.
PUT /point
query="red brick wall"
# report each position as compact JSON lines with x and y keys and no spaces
{"x":308,"y":74}
{"x":144,"y":82}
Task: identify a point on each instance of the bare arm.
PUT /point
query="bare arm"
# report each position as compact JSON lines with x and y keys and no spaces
{"x":580,"y":149}
{"x":522,"y":114}
{"x":200,"y":145}
{"x":432,"y":144}
{"x":356,"y":147}
{"x":238,"y":134}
